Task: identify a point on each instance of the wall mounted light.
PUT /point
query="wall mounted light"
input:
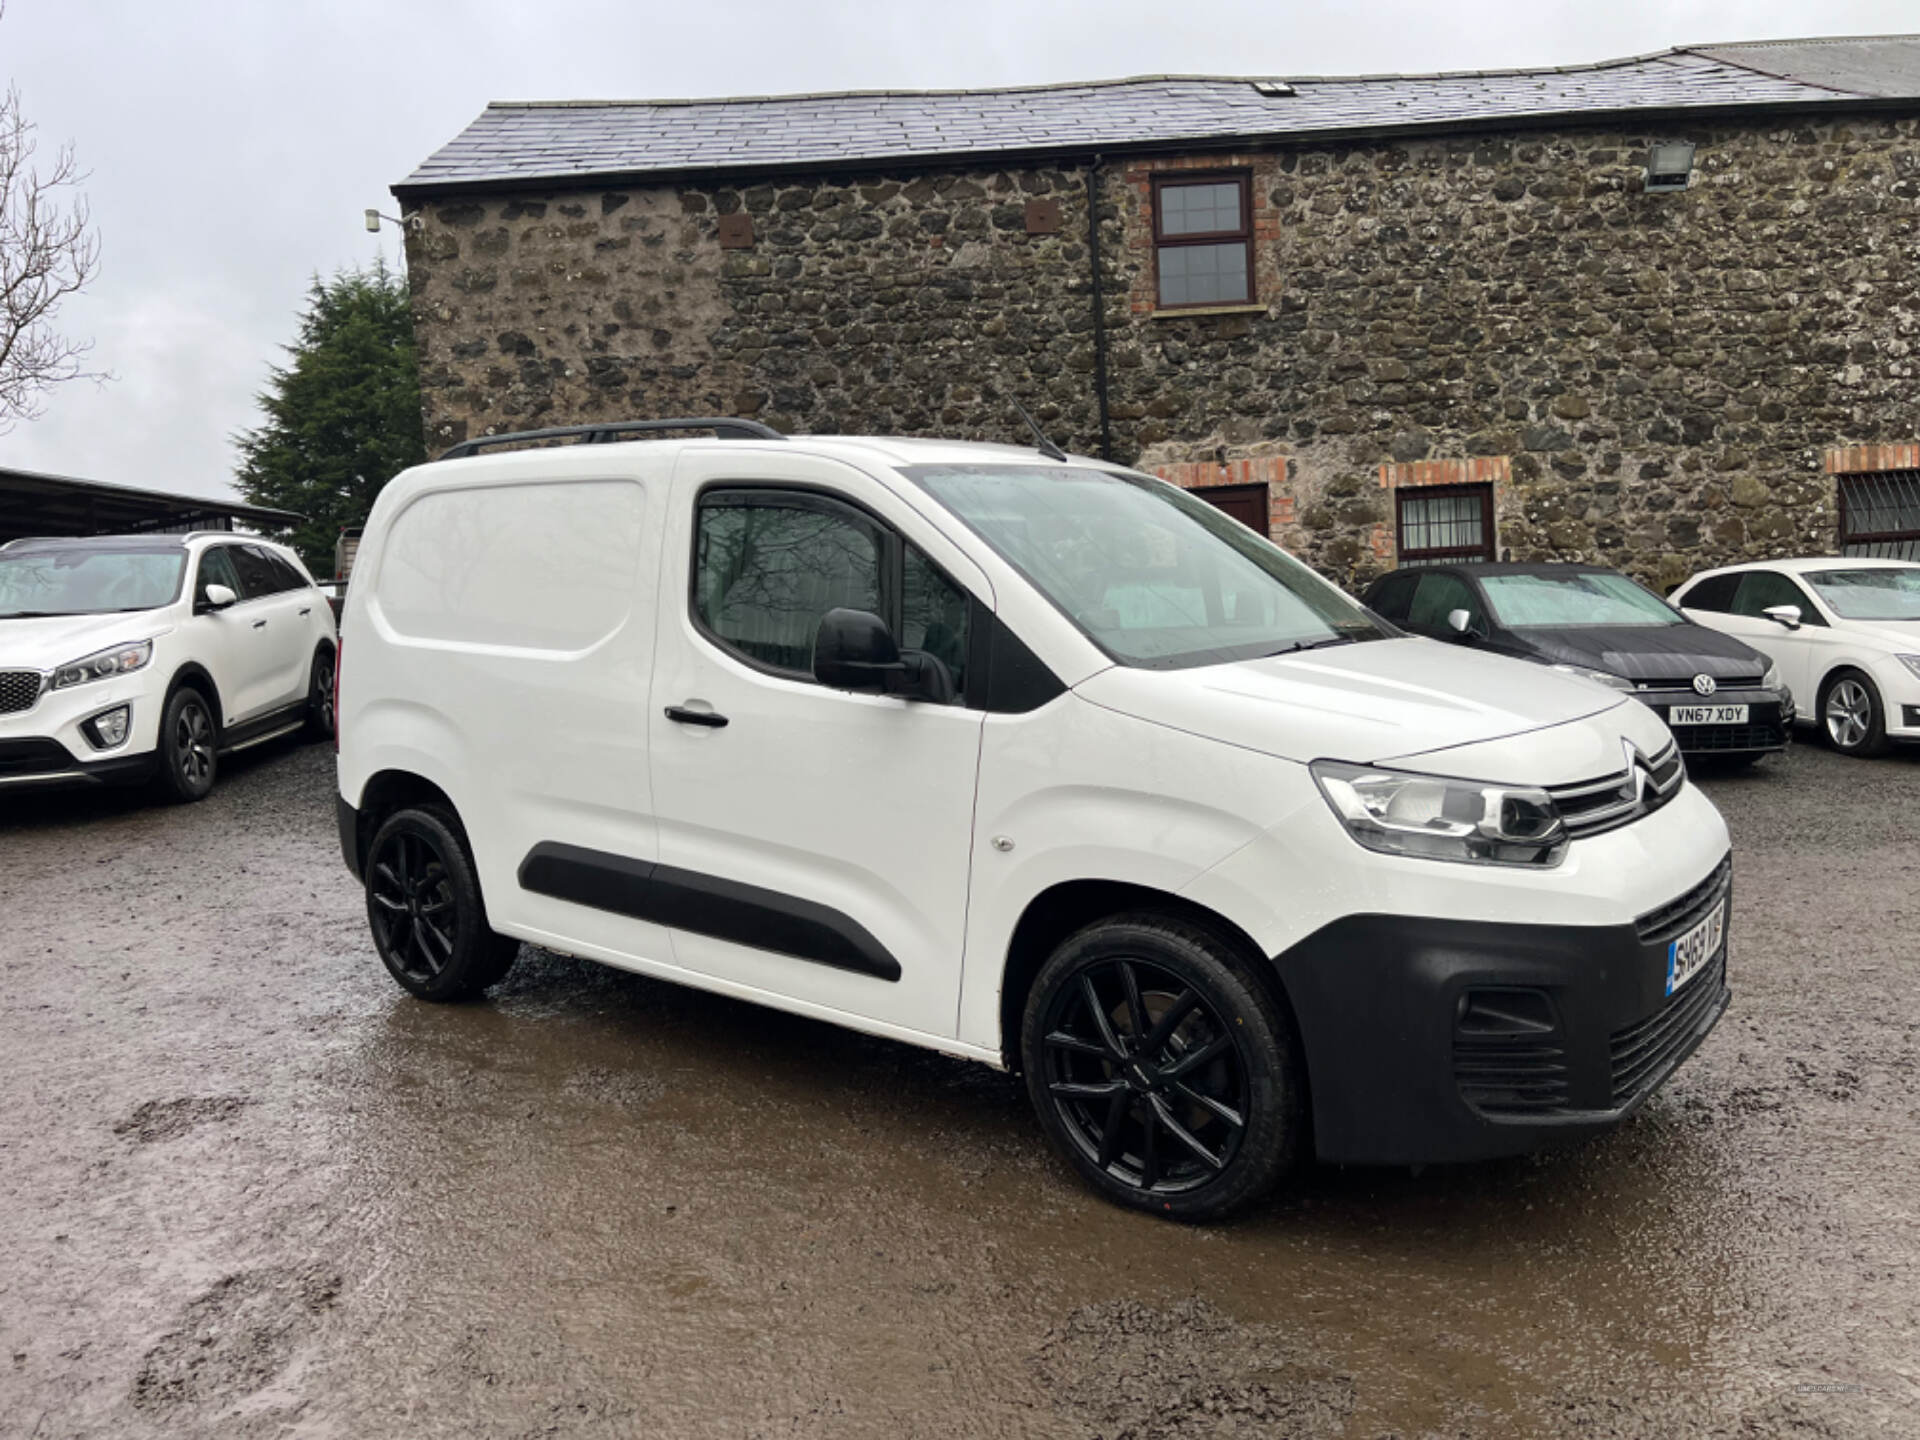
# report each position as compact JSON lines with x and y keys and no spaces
{"x":374,"y":217}
{"x":1669,"y":166}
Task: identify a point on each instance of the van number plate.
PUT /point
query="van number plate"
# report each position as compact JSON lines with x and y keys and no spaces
{"x":1690,"y":953}
{"x":1707,"y":715}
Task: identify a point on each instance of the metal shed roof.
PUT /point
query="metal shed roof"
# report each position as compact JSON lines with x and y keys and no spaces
{"x":36,"y":504}
{"x":529,"y":144}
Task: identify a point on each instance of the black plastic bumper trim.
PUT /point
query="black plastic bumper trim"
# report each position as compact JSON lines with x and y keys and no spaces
{"x":348,"y":819}
{"x":706,"y":905}
{"x":1376,"y":998}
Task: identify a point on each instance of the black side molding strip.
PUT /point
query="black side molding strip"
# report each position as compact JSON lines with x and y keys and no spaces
{"x":706,"y":905}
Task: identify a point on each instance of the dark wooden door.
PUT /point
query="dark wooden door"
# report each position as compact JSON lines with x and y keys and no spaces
{"x":1245,"y":503}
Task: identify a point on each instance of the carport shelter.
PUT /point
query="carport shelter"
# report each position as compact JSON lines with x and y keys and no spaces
{"x":36,"y":504}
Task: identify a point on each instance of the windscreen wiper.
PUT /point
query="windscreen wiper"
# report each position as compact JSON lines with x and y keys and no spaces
{"x":1300,"y":645}
{"x":33,"y":615}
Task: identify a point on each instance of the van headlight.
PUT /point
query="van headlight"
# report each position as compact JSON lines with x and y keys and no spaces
{"x":1437,"y":818}
{"x":1599,"y":677}
{"x":103,"y":665}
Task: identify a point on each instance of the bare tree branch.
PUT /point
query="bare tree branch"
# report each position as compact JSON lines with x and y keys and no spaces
{"x":48,"y":251}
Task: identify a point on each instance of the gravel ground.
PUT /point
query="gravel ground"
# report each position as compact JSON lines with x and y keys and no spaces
{"x":247,"y":1188}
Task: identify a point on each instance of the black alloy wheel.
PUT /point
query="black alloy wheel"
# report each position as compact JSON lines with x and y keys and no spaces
{"x":1162,"y":1068}
{"x":424,"y":908}
{"x":320,"y":697}
{"x":189,"y":749}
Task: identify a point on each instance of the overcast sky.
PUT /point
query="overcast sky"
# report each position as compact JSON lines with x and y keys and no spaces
{"x":233,"y":144}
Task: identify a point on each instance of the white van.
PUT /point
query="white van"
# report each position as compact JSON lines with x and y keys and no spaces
{"x":1031,"y":760}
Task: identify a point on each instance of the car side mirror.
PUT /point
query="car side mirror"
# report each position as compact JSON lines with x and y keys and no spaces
{"x":219,"y":597}
{"x":1787,"y":615}
{"x":854,"y":650}
{"x":1461,"y":623}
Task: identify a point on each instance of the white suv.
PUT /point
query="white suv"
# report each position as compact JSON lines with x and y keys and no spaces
{"x":1036,"y":761}
{"x":125,"y":659}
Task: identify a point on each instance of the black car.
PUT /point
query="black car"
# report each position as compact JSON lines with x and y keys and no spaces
{"x":1717,"y":694}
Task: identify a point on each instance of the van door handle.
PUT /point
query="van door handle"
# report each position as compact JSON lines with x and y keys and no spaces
{"x":680,"y":715}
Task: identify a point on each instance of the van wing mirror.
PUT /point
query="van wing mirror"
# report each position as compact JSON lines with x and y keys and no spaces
{"x":1787,"y":615}
{"x":854,"y":650}
{"x":219,"y":597}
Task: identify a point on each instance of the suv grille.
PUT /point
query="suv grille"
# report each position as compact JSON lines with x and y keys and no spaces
{"x":19,"y":690}
{"x":1641,"y":1051}
{"x":1590,"y":807}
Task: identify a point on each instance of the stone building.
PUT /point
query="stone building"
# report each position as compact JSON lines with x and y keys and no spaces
{"x":1656,"y":312}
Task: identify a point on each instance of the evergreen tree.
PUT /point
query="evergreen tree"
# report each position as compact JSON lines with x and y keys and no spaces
{"x":343,"y":417}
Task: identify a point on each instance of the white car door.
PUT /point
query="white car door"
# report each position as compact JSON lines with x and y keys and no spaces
{"x":816,"y":842}
{"x":236,"y":650}
{"x":280,"y":610}
{"x":1736,"y":605}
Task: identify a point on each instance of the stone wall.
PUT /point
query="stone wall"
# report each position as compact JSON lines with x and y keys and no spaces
{"x":1660,"y":374}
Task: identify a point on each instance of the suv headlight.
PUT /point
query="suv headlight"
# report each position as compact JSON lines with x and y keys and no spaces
{"x":1437,"y":818}
{"x":1599,"y":677}
{"x":103,"y":665}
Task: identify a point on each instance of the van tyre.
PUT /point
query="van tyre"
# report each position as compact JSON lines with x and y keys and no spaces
{"x":1162,"y":1068}
{"x":320,"y":695}
{"x":188,"y":753}
{"x":1851,"y":715}
{"x":424,"y":908}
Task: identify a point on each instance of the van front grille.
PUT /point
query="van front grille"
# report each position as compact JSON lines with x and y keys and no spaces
{"x":19,"y":690}
{"x":1641,"y":1052}
{"x":1680,"y":915}
{"x":1592,"y":807}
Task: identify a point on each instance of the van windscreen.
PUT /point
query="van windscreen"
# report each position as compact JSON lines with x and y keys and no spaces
{"x":1154,"y":577}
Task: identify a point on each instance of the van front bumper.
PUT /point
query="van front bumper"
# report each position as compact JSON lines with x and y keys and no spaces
{"x":1430,"y":1040}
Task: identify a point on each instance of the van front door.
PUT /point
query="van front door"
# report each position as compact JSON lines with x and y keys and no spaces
{"x":814,"y":843}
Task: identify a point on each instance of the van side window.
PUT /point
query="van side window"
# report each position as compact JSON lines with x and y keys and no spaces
{"x":933,"y":616}
{"x":769,"y":564}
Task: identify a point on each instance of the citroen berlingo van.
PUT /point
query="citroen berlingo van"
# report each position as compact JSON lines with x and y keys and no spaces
{"x":1030,"y":759}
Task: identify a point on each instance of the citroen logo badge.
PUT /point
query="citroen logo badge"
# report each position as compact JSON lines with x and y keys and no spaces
{"x":1705,"y":684}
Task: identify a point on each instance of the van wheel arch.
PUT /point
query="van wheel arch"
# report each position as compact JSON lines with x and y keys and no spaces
{"x":1056,"y":913}
{"x":393,"y":790}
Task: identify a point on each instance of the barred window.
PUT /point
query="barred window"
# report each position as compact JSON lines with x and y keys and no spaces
{"x":1443,"y":523}
{"x":1880,"y":515}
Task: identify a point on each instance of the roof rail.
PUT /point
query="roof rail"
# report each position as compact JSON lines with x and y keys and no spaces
{"x":722,"y":426}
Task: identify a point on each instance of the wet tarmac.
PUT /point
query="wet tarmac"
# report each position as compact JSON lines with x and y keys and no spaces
{"x":248,"y":1188}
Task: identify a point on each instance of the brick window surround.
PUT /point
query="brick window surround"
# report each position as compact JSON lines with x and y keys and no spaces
{"x":1877,"y":490}
{"x":1195,"y":248}
{"x":1486,"y":477}
{"x":1267,"y":470}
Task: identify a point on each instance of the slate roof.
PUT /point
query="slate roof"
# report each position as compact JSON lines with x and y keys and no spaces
{"x":522,"y":144}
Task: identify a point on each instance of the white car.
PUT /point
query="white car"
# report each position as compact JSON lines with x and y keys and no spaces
{"x":1036,"y":761}
{"x":126,"y":659}
{"x":1845,"y":634}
